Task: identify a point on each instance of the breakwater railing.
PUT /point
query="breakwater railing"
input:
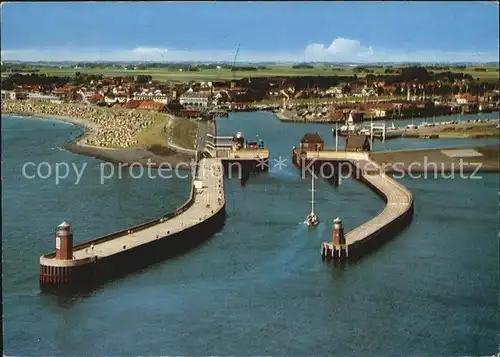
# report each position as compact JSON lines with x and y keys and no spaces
{"x":124,"y":232}
{"x":395,"y":216}
{"x":399,"y":201}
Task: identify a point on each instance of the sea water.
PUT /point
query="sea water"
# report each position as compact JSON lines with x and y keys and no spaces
{"x":259,"y":287}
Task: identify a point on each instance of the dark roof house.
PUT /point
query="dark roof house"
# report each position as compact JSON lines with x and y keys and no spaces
{"x":357,"y":143}
{"x":312,"y":138}
{"x":312,"y":141}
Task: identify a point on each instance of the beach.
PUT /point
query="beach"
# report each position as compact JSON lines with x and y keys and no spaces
{"x":109,"y":134}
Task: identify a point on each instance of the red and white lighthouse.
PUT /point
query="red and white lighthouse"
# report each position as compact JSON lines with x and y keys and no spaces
{"x":64,"y":242}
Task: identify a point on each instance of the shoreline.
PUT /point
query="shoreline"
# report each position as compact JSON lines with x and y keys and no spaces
{"x":294,"y":118}
{"x":128,"y":155}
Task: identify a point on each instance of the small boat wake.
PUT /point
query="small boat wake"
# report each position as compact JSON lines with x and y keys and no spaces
{"x":58,"y":149}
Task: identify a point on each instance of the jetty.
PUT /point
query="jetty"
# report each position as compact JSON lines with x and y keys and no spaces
{"x":290,"y":117}
{"x":116,"y":254}
{"x":396,"y":215}
{"x":197,"y":219}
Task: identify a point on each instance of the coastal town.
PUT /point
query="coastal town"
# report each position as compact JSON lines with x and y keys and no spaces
{"x":250,"y":178}
{"x":407,"y":92}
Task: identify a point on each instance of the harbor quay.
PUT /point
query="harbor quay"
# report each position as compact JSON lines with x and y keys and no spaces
{"x":396,"y":215}
{"x":116,"y":254}
{"x":245,"y":161}
{"x":236,"y":153}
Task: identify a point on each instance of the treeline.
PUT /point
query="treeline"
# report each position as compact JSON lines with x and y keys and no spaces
{"x":362,"y":70}
{"x":20,"y":70}
{"x":417,"y":75}
{"x":18,"y":79}
{"x":244,"y":68}
{"x":447,"y":68}
{"x":302,"y":66}
{"x":18,"y":67}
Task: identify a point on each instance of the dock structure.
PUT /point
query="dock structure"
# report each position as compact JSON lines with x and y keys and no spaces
{"x":233,"y":154}
{"x":396,"y":215}
{"x":114,"y":254}
{"x":218,"y":113}
{"x":119,"y":253}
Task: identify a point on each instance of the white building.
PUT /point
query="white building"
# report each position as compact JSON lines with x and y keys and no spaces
{"x":157,"y":96}
{"x":40,"y":97}
{"x":195,"y":99}
{"x":112,"y":99}
{"x":336,"y":91}
{"x":9,"y":94}
{"x":379,"y":113}
{"x":461,"y":100}
{"x":367,"y":92}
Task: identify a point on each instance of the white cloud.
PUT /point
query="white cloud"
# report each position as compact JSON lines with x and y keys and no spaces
{"x":345,"y":50}
{"x":150,"y":50}
{"x":340,"y":50}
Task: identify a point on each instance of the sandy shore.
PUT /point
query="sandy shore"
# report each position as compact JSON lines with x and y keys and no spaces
{"x":96,"y":123}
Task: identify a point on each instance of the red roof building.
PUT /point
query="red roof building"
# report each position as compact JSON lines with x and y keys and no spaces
{"x":151,"y":105}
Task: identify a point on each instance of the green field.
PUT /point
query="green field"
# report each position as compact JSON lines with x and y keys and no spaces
{"x":174,"y":75}
{"x":182,"y":132}
{"x":491,"y":73}
{"x":201,"y":75}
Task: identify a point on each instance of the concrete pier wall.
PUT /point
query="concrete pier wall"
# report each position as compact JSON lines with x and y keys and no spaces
{"x":97,"y":271}
{"x":112,"y":261}
{"x":122,"y":252}
{"x":394,"y":218}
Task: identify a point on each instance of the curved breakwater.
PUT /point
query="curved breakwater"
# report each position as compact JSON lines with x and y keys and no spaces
{"x":395,"y":216}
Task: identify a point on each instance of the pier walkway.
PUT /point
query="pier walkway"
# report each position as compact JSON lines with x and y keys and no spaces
{"x":201,"y":216}
{"x":399,"y":200}
{"x":208,"y":200}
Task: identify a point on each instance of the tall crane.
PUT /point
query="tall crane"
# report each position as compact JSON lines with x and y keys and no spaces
{"x":234,"y":60}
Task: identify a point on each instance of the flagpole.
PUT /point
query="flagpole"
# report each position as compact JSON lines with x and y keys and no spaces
{"x":371,"y":131}
{"x":336,"y":136}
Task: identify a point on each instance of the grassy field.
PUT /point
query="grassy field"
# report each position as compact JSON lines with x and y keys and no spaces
{"x":226,"y":74}
{"x":490,"y":74}
{"x":181,"y":132}
{"x":153,"y":136}
{"x":209,"y":74}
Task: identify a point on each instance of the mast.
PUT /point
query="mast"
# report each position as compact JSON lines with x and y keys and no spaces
{"x":312,"y":193}
{"x":371,"y":131}
{"x":336,"y":136}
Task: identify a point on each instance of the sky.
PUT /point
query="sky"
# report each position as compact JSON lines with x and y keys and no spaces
{"x":358,"y":32}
